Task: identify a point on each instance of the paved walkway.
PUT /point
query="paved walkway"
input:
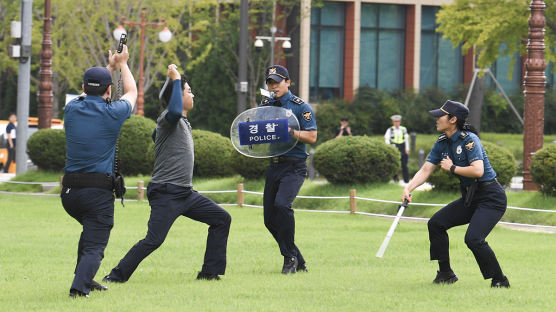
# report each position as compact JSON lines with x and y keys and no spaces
{"x":6,"y":176}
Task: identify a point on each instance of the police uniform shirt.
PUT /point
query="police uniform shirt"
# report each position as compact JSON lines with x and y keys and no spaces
{"x":305,"y":116}
{"x":463,"y":148}
{"x":92,"y":128}
{"x":397,"y":136}
{"x":10,"y":130}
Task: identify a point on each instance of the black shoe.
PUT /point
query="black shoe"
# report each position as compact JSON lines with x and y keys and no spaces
{"x":110,"y":279}
{"x":208,"y":276}
{"x":302,"y":267}
{"x":290,"y":265}
{"x":445,"y":277}
{"x":96,"y":286}
{"x":74,"y":293}
{"x":499,"y":284}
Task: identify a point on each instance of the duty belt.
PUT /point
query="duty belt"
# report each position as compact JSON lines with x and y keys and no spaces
{"x":284,"y":159}
{"x":81,"y":180}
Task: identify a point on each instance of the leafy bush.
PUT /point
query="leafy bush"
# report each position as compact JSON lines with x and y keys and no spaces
{"x":356,"y":159}
{"x":213,"y":154}
{"x":501,"y":160}
{"x":248,"y":167}
{"x":135,"y":138}
{"x":543,"y":169}
{"x":47,"y":149}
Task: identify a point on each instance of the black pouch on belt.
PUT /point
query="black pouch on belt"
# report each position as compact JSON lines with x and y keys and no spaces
{"x":470,"y":193}
{"x":119,"y":185}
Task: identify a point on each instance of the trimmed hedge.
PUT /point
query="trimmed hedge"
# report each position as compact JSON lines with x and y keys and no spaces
{"x":135,"y":138}
{"x":47,"y":149}
{"x":356,"y":159}
{"x":502,"y":161}
{"x":543,"y":169}
{"x":248,"y":167}
{"x":213,"y":154}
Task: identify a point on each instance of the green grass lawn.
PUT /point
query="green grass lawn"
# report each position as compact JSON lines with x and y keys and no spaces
{"x":39,"y":242}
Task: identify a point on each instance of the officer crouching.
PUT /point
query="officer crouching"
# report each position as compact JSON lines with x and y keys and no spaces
{"x":92,"y":123}
{"x":483,"y":201}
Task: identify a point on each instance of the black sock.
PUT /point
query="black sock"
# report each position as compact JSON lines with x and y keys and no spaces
{"x":444,"y":266}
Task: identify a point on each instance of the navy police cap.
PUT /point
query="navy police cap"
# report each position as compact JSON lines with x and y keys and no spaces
{"x":453,"y":108}
{"x":277,"y":73}
{"x":97,"y":76}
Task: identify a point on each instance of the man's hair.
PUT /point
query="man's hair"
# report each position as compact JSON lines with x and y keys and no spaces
{"x":95,"y":90}
{"x":345,"y":118}
{"x":167,"y":92}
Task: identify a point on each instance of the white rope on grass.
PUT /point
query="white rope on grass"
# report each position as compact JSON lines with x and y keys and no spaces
{"x":251,"y":192}
{"x":34,"y":183}
{"x":324,"y":197}
{"x":217,"y":192}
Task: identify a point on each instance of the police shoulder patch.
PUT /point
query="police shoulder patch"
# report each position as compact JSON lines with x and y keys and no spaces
{"x":307,"y":115}
{"x":463,"y":134}
{"x":442,"y":137}
{"x":297,"y":100}
{"x":470,"y":145}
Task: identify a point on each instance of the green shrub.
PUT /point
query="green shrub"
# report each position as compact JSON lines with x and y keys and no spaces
{"x":213,"y":154}
{"x":248,"y":167}
{"x":501,"y":160}
{"x":356,"y":159}
{"x":135,"y":138}
{"x":543,"y":169}
{"x":47,"y":149}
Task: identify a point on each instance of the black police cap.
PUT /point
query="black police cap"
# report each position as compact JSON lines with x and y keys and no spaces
{"x":97,"y":77}
{"x":453,"y":108}
{"x":277,"y":73}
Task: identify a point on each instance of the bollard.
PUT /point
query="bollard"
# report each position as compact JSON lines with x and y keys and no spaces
{"x":140,"y":190}
{"x":421,"y":157}
{"x":311,"y":167}
{"x":413,"y":141}
{"x":352,"y":201}
{"x":240,"y":194}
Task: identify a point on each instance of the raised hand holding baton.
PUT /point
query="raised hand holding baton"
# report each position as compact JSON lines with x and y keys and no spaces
{"x":382,"y":249}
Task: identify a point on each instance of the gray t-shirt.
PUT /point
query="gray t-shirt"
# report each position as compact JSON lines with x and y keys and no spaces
{"x":173,"y":152}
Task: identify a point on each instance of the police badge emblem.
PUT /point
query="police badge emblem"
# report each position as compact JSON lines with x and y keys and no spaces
{"x":458,"y":149}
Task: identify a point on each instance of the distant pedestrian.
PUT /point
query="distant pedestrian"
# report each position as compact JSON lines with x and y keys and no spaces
{"x":10,"y":144}
{"x":397,"y":136}
{"x":344,"y":129}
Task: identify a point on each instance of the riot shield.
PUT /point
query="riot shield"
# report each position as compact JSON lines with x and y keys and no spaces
{"x":264,"y":131}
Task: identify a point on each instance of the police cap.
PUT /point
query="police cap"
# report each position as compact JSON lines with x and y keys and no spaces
{"x":277,"y":73}
{"x":453,"y":108}
{"x":396,"y":117}
{"x":97,"y":77}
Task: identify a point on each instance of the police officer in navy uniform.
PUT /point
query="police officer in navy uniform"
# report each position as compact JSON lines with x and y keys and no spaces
{"x":286,"y":173}
{"x":92,"y":123}
{"x":483,"y":201}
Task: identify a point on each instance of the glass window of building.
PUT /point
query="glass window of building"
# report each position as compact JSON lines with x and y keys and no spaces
{"x":327,"y":51}
{"x":382,"y":46}
{"x":441,"y":64}
{"x":507,"y":70}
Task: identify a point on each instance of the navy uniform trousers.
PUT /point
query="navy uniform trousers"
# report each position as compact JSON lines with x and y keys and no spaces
{"x":404,"y":158}
{"x":283,"y":181}
{"x":94,"y":209}
{"x":168,"y":202}
{"x":486,"y":209}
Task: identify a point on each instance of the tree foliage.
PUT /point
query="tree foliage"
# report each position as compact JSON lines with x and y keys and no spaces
{"x":491,"y":24}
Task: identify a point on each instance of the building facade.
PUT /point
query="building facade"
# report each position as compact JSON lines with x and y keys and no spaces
{"x":386,"y":44}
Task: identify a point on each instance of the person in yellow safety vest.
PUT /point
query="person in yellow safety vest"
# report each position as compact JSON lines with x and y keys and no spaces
{"x":397,"y":136}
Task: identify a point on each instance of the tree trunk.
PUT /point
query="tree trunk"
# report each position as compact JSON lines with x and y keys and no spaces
{"x":476,"y":103}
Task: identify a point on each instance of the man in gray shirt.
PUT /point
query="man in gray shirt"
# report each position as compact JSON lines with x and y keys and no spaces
{"x":170,"y":190}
